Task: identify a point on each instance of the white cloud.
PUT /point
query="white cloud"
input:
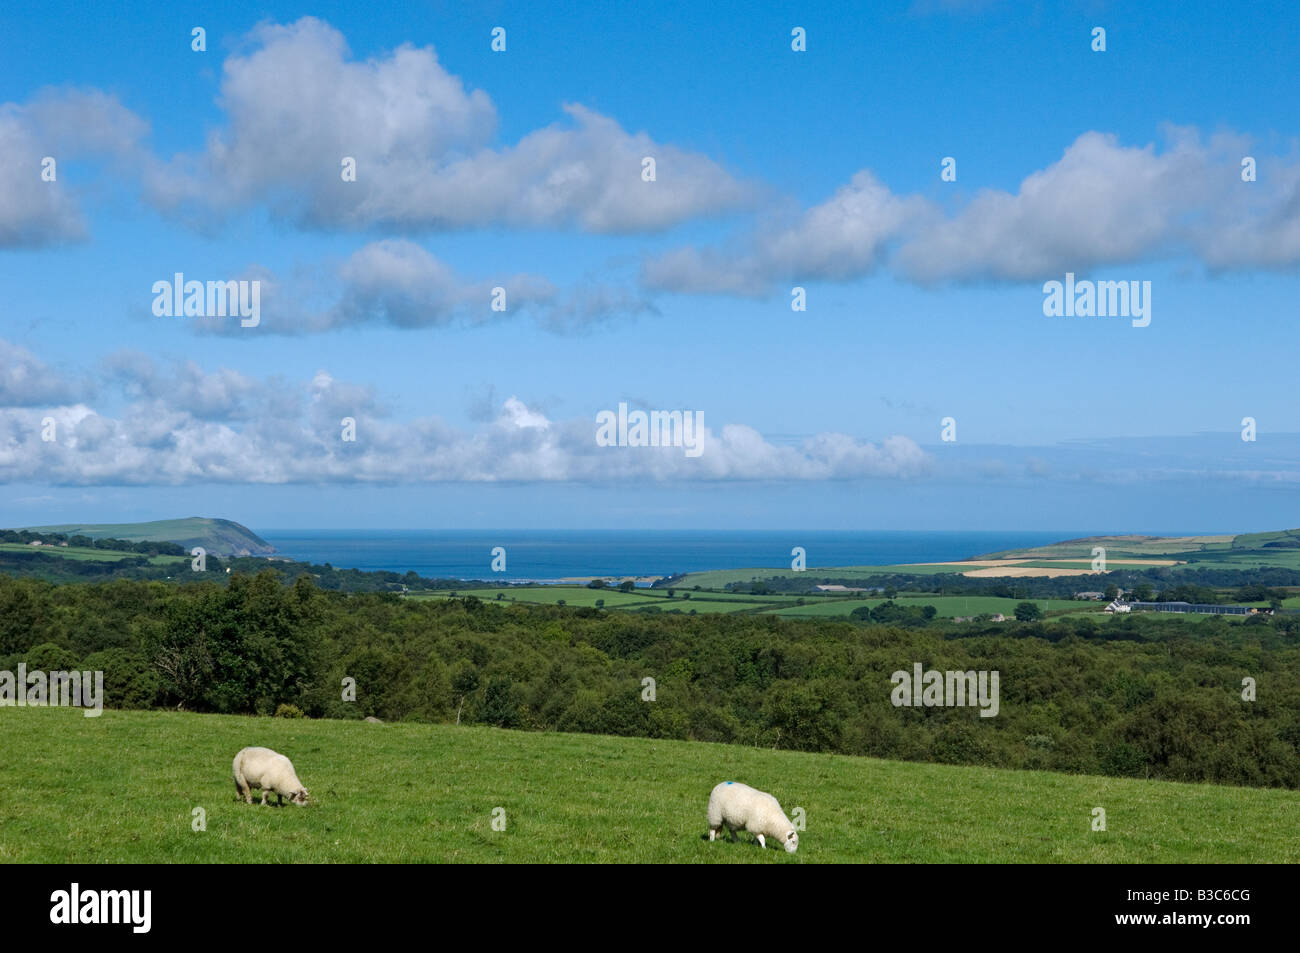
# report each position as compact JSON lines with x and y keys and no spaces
{"x":843,"y":238}
{"x":397,"y":283}
{"x":1101,"y":204}
{"x":62,"y":124}
{"x":587,"y":173}
{"x":26,"y":381}
{"x":185,"y":425}
{"x":847,"y":235}
{"x":224,"y":394}
{"x":296,"y":105}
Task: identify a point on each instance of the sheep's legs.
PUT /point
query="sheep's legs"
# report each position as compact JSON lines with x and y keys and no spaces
{"x":761,"y":843}
{"x":713,"y":832}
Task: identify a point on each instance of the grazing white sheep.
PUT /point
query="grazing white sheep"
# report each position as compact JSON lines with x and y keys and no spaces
{"x":272,"y":772}
{"x":739,"y":807}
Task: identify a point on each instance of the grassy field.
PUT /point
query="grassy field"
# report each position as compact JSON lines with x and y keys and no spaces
{"x":1244,"y":551}
{"x":840,"y":606}
{"x":122,"y":788}
{"x":548,"y":595}
{"x":1129,"y":547}
{"x":719,"y":578}
{"x":701,"y":602}
{"x":82,"y":553}
{"x":1285,"y":559}
{"x":946,"y":607}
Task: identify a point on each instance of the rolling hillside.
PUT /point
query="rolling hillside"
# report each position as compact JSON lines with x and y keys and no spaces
{"x":123,"y":788}
{"x":1279,"y":548}
{"x":1148,"y":547}
{"x":217,"y":536}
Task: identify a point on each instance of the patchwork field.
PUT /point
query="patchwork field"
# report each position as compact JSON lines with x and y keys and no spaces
{"x":123,"y":788}
{"x":946,"y":607}
{"x":783,"y":605}
{"x":1132,"y":546}
{"x":84,"y":553}
{"x":1068,"y":558}
{"x":719,"y":578}
{"x":1006,"y":568}
{"x":1243,"y":551}
{"x":1045,"y":568}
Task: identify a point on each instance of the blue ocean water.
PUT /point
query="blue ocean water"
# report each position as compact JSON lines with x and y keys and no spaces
{"x":546,"y":555}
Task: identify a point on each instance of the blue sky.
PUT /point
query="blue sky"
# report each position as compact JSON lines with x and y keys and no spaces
{"x":775,"y":168}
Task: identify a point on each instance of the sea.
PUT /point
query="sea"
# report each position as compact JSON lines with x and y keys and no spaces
{"x":555,"y":555}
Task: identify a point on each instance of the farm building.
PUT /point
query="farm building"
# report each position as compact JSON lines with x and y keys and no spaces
{"x":1200,"y":607}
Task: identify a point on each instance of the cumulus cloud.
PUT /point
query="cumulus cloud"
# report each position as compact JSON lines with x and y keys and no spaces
{"x":183,"y":425}
{"x":62,"y":124}
{"x":397,"y":283}
{"x":1101,"y":204}
{"x":221,"y":395}
{"x":586,"y":173}
{"x":26,"y":381}
{"x":296,"y":104}
{"x":845,"y":237}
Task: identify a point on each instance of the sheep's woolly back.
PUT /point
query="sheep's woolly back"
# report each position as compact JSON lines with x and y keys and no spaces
{"x":266,"y":769}
{"x":741,"y":807}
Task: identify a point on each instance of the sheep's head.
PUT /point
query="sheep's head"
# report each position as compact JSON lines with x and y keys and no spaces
{"x":791,"y":842}
{"x":300,"y":797}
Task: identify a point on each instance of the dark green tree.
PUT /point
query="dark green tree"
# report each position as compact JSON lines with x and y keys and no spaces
{"x":1028,"y":612}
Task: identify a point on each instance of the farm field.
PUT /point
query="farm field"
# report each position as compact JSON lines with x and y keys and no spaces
{"x":103,"y":555}
{"x":1243,"y":551}
{"x":782,"y":605}
{"x":544,"y":595}
{"x":1072,"y":557}
{"x":701,"y":602}
{"x":1286,"y":559}
{"x":946,"y":607}
{"x":719,"y":578}
{"x":86,"y":553}
{"x":1129,"y":547}
{"x":122,"y":788}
